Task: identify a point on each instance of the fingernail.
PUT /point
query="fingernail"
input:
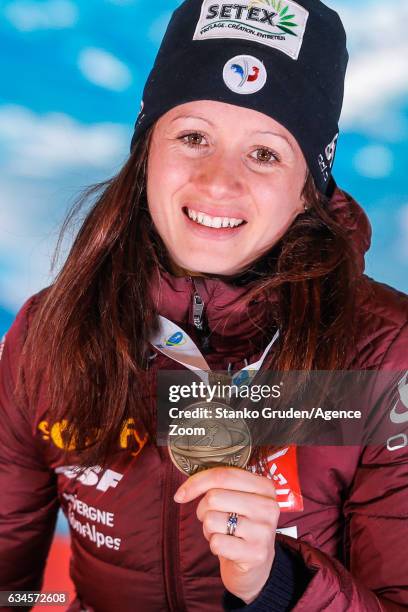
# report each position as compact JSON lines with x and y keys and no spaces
{"x":180,"y":495}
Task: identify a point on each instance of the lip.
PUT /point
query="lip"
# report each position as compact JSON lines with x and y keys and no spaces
{"x":211,"y":233}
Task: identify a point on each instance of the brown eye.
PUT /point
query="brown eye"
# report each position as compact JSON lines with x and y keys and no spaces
{"x":195,"y":139}
{"x":264,"y":156}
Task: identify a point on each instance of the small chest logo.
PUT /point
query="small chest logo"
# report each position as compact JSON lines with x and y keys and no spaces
{"x":244,"y":74}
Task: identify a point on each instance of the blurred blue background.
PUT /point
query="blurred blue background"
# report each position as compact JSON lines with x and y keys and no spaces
{"x":71,"y":80}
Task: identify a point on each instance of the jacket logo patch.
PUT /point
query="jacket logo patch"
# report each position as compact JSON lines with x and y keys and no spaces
{"x":95,"y":517}
{"x":279,"y":24}
{"x":129,"y":438}
{"x":282,"y":468}
{"x":399,"y":416}
{"x":91,"y":476}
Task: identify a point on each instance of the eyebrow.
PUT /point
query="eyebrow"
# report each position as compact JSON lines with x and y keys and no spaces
{"x":191,"y":117}
{"x":274,"y":134}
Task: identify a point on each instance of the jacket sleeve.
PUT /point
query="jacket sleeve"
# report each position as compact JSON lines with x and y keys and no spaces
{"x":287,"y":582}
{"x":28,"y":499}
{"x":374,"y":576}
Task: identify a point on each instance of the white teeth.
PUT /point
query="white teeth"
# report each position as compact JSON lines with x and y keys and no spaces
{"x":216,"y":222}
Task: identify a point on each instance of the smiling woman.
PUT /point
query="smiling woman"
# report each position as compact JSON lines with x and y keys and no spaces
{"x":225,"y":244}
{"x":227,"y":169}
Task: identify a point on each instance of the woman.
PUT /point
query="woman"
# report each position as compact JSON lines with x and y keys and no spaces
{"x":224,"y":222}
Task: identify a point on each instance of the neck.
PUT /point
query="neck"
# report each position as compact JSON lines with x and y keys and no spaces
{"x":177,"y":270}
{"x":254,"y":272}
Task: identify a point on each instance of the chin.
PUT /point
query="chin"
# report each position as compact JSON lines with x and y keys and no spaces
{"x":206,"y":267}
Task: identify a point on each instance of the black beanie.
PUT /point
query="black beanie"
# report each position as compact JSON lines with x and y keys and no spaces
{"x":282,"y":58}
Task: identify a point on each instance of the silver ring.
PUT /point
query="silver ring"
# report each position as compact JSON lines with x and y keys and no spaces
{"x":232,"y":523}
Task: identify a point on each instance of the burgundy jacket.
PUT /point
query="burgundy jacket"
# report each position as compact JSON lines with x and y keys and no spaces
{"x":134,"y":548}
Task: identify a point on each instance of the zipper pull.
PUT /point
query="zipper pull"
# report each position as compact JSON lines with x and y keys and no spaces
{"x":198,"y":309}
{"x":198,"y":317}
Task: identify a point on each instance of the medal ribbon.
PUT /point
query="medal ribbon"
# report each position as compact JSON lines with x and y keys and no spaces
{"x":175,"y":343}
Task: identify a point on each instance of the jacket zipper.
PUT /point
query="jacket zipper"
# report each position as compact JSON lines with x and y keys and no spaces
{"x":171,"y":510}
{"x":171,"y":539}
{"x":198,"y":310}
{"x":198,"y":316}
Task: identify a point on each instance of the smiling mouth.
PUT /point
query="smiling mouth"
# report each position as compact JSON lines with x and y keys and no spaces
{"x":202,"y":218}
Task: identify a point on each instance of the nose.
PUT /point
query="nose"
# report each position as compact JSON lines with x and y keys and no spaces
{"x":218,"y":177}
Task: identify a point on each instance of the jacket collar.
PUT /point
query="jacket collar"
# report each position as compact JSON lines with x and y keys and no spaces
{"x":349,"y":214}
{"x":235,"y":325}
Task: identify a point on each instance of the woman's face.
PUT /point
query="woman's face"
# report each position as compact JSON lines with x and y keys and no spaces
{"x":224,"y":184}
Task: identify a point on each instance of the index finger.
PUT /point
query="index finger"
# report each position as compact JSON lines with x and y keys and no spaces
{"x":232,"y":478}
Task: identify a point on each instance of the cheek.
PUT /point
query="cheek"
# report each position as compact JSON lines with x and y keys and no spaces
{"x":279,"y":199}
{"x":278,"y":205}
{"x":164,"y":178}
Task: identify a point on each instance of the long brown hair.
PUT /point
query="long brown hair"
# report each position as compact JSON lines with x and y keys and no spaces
{"x":88,"y":342}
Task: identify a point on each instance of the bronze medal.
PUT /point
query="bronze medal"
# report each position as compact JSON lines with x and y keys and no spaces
{"x":196,"y":444}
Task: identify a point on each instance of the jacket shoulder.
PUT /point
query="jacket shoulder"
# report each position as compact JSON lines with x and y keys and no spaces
{"x":381,"y":325}
{"x":16,"y":335}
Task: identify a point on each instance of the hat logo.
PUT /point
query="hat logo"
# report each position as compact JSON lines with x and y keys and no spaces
{"x":280,"y":24}
{"x":244,"y":74}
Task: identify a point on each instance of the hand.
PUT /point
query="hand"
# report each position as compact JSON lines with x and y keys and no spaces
{"x":245,"y":558}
